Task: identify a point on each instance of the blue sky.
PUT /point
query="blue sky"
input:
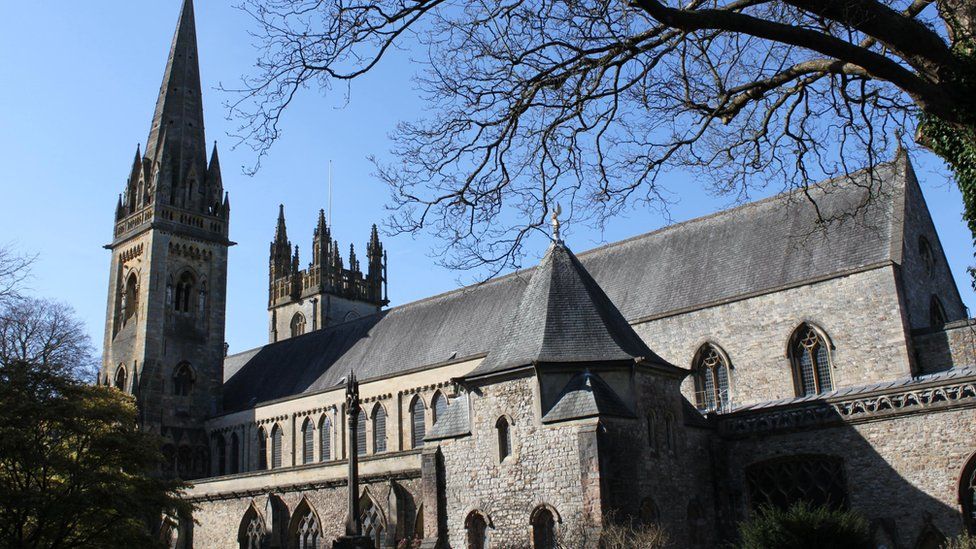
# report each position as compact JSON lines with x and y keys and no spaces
{"x":79,"y":85}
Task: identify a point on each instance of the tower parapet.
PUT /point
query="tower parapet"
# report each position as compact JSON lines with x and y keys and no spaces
{"x":326,"y":292}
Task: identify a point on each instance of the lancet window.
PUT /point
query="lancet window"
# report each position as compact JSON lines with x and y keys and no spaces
{"x":811,"y":361}
{"x":711,"y":371}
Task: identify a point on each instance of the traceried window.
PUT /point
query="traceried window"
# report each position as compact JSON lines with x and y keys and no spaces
{"x":926,"y":254}
{"x":379,"y":430}
{"x":308,"y":534}
{"x":325,"y":439}
{"x":276,"y":436}
{"x":297,"y":324}
{"x":361,"y":433}
{"x":252,"y":532}
{"x":121,"y":378}
{"x":417,"y":426}
{"x":543,"y":529}
{"x":967,"y":495}
{"x":438,"y":407}
{"x":308,"y":441}
{"x":184,"y":293}
{"x":811,"y":361}
{"x":816,"y":479}
{"x":477,"y":530}
{"x":262,"y":449}
{"x":937,"y":315}
{"x":711,"y":371}
{"x":504,"y":438}
{"x":221,"y":455}
{"x":369,"y":516}
{"x":182,"y":379}
{"x":235,"y":454}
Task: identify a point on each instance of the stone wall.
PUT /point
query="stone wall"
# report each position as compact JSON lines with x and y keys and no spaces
{"x":860,"y":313}
{"x":939,"y":350}
{"x":319,"y":310}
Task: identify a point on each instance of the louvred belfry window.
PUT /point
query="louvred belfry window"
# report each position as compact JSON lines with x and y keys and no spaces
{"x":276,"y":437}
{"x":417,"y":427}
{"x":811,"y":362}
{"x":379,"y":430}
{"x":361,"y":434}
{"x":262,"y":449}
{"x":439,"y":407}
{"x":325,"y":432}
{"x":308,"y":441}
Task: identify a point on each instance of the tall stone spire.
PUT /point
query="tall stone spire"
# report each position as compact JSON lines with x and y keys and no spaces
{"x":176,"y":144}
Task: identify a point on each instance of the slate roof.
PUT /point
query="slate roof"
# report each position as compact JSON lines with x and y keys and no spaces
{"x":761,"y":246}
{"x":564,"y":317}
{"x":454,"y":422}
{"x":586,"y":395}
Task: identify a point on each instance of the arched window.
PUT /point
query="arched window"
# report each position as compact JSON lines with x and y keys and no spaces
{"x":648,"y":513}
{"x":221,"y":455}
{"x":967,"y":494}
{"x":184,"y":293}
{"x":926,"y":254}
{"x":371,"y":519}
{"x":252,"y":532}
{"x":937,"y":315}
{"x":543,"y":529}
{"x":438,"y":406}
{"x":477,"y":528}
{"x":131,"y":297}
{"x":297,"y":324}
{"x":121,"y":378}
{"x":262,"y":449}
{"x":182,"y":379}
{"x":811,"y":361}
{"x":305,"y":530}
{"x":652,"y":438}
{"x":325,"y":439}
{"x":361,"y":433}
{"x":668,"y":432}
{"x":379,"y":430}
{"x":711,"y":371}
{"x":308,"y":441}
{"x":235,"y":454}
{"x":504,"y":438}
{"x":276,"y":437}
{"x":417,"y":426}
{"x":781,"y":482}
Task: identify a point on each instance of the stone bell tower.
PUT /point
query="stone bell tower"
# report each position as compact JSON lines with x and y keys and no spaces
{"x":164,"y":327}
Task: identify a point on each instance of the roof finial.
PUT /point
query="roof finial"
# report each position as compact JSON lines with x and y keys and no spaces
{"x":555,"y":222}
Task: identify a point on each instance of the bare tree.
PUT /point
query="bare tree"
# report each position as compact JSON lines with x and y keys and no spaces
{"x":14,"y":269}
{"x":45,"y":334}
{"x":590,"y":102}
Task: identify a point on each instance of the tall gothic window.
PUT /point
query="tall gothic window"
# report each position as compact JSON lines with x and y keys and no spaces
{"x":967,"y":495}
{"x":811,"y":361}
{"x":379,"y":430}
{"x":262,"y":449}
{"x":417,"y":426}
{"x":371,"y":520}
{"x":477,"y":528}
{"x":235,"y":453}
{"x":937,"y":315}
{"x":307,"y":534}
{"x":361,"y":433}
{"x":711,"y":371}
{"x":297,"y":324}
{"x":121,"y":378}
{"x":276,"y":437}
{"x":221,"y":455}
{"x":652,"y":439}
{"x":252,"y":532}
{"x":438,"y":406}
{"x":184,"y":293}
{"x":325,"y":439}
{"x":182,"y":379}
{"x":925,"y":252}
{"x":543,"y":529}
{"x":308,"y":441}
{"x":781,"y":482}
{"x":504,"y":438}
{"x":131,"y":297}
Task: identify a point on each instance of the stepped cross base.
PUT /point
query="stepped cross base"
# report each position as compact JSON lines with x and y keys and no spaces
{"x":353,"y":542}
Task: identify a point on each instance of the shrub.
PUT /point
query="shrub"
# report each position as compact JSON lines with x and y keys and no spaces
{"x":804,"y":526}
{"x":964,"y":541}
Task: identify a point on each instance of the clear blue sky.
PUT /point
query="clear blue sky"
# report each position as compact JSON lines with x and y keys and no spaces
{"x":79,"y":85}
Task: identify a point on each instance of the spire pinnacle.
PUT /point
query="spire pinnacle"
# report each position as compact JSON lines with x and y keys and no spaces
{"x":281,"y":232}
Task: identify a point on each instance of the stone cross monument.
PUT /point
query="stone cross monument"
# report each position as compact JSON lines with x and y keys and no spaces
{"x":354,"y":538}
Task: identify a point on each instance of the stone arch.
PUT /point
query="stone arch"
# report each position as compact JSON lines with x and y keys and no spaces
{"x":184,"y":376}
{"x":185,"y":283}
{"x":476,"y":526}
{"x":252,"y":533}
{"x":810,"y":352}
{"x":418,"y":426}
{"x":305,"y":528}
{"x":130,"y":296}
{"x":372,"y":517}
{"x":544,"y":520}
{"x":297,"y":324}
{"x":121,"y":377}
{"x":967,"y":493}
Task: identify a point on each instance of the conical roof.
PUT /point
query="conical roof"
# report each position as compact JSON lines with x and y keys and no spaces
{"x":587,"y":395}
{"x":564,"y":317}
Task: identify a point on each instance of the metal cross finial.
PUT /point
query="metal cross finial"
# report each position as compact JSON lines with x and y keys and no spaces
{"x":555,"y":221}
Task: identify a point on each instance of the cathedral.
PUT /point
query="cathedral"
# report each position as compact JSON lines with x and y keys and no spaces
{"x":684,"y":377}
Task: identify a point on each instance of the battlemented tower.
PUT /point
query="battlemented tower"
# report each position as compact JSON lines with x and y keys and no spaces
{"x":327,"y":292}
{"x":164,"y":327}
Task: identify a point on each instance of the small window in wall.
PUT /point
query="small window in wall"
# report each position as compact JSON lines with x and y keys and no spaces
{"x":121,"y":378}
{"x":504,"y":438}
{"x":325,"y":434}
{"x":361,"y":433}
{"x":276,"y":440}
{"x":926,"y":254}
{"x":182,"y":379}
{"x":184,"y":293}
{"x":308,"y":441}
{"x":543,"y":529}
{"x":711,"y":371}
{"x":262,"y":449}
{"x":379,"y":430}
{"x":477,"y":530}
{"x":438,"y":406}
{"x":417,"y":426}
{"x":937,"y":315}
{"x":810,"y":356}
{"x":297,"y":324}
{"x":131,"y":297}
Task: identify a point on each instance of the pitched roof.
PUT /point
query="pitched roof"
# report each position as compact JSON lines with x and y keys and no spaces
{"x":586,"y":395}
{"x":564,"y":317}
{"x":761,"y":246}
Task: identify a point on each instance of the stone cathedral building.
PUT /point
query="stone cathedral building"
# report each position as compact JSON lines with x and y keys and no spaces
{"x":683,"y":377}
